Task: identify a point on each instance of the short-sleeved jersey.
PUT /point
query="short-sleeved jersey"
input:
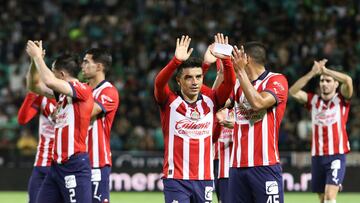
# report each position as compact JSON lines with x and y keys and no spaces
{"x":32,"y":104}
{"x":223,"y":147}
{"x":107,"y":97}
{"x":72,"y":121}
{"x":329,"y":119}
{"x":256,"y":133}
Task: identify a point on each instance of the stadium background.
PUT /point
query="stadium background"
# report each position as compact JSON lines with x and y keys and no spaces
{"x":141,"y":36}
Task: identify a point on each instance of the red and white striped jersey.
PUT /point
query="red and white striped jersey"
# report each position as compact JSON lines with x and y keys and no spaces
{"x":107,"y":97}
{"x":31,"y":105}
{"x":187,"y":128}
{"x":329,"y":119}
{"x":72,"y":122}
{"x":223,"y":147}
{"x":188,"y":137}
{"x":256,"y":133}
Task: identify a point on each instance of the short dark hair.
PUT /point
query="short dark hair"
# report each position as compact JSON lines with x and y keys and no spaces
{"x":191,"y":62}
{"x":100,"y":55}
{"x":68,"y":63}
{"x":257,"y":51}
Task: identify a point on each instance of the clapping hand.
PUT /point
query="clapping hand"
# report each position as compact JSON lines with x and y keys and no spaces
{"x":240,"y":59}
{"x":182,"y":51}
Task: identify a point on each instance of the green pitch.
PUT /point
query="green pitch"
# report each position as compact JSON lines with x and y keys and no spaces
{"x":157,"y":197}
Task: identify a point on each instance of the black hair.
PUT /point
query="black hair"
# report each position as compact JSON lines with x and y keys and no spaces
{"x":102,"y":56}
{"x":257,"y":51}
{"x":191,"y":62}
{"x":68,"y":63}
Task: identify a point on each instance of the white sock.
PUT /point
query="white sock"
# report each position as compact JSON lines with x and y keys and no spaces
{"x":330,"y":201}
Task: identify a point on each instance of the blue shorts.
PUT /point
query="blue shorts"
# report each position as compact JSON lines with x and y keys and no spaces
{"x":37,"y":178}
{"x":100,"y":184}
{"x":258,"y":184}
{"x":224,"y":190}
{"x":216,"y":181}
{"x":186,"y":191}
{"x":327,"y":170}
{"x":68,"y":182}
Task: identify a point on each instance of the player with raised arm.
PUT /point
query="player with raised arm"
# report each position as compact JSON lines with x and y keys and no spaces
{"x":260,"y":102}
{"x":222,"y":134}
{"x":329,"y":114}
{"x":31,"y":106}
{"x":187,"y":119}
{"x":69,"y":177}
{"x":94,"y":67}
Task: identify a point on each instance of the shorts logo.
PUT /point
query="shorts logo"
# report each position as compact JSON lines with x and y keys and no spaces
{"x":335,"y":166}
{"x":70,"y":181}
{"x":175,"y":201}
{"x":95,"y":175}
{"x":272,"y":187}
{"x":208,"y":193}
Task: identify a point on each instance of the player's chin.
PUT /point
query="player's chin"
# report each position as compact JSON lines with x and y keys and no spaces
{"x":194,"y":91}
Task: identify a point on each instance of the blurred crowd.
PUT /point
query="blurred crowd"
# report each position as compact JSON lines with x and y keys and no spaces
{"x":141,"y":36}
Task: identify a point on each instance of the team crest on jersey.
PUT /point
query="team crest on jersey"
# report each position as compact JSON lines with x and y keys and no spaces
{"x":195,"y":115}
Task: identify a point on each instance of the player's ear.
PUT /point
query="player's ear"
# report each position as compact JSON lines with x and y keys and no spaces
{"x":63,"y":74}
{"x":99,"y":67}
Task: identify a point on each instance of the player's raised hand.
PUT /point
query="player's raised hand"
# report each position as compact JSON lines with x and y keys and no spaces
{"x":318,"y":66}
{"x":221,"y":39}
{"x":33,"y":50}
{"x":322,"y":64}
{"x":39,"y":44}
{"x":182,"y":51}
{"x":209,"y":58}
{"x":240,"y":59}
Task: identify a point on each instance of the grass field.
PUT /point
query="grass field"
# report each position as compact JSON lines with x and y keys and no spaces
{"x":157,"y":197}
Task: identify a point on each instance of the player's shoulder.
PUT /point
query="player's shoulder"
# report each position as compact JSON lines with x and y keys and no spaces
{"x":80,"y":85}
{"x":276,"y":76}
{"x":106,"y":87}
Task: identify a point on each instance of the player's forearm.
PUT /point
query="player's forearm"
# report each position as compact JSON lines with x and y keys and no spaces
{"x":300,"y":83}
{"x":224,"y":90}
{"x":163,"y":77}
{"x":252,"y":95}
{"x":46,"y":76}
{"x":345,"y":80}
{"x":165,"y":74}
{"x":32,"y":78}
{"x":205,"y":68}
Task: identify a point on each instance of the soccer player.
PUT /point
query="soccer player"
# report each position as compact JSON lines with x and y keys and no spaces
{"x":94,"y":67}
{"x":69,"y":177}
{"x":222,"y":134}
{"x":33,"y":104}
{"x":329,"y":114}
{"x":222,"y":148}
{"x":187,"y":118}
{"x":260,"y":102}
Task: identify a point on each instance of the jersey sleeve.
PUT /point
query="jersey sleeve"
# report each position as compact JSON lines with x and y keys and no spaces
{"x":80,"y":90}
{"x":29,"y":108}
{"x":108,"y":99}
{"x":49,"y":107}
{"x":278,"y":87}
{"x":161,"y":87}
{"x":309,"y":98}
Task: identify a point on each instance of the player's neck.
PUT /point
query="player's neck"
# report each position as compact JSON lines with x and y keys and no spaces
{"x":93,"y":82}
{"x":189,"y":99}
{"x":255,"y":71}
{"x":327,"y":97}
